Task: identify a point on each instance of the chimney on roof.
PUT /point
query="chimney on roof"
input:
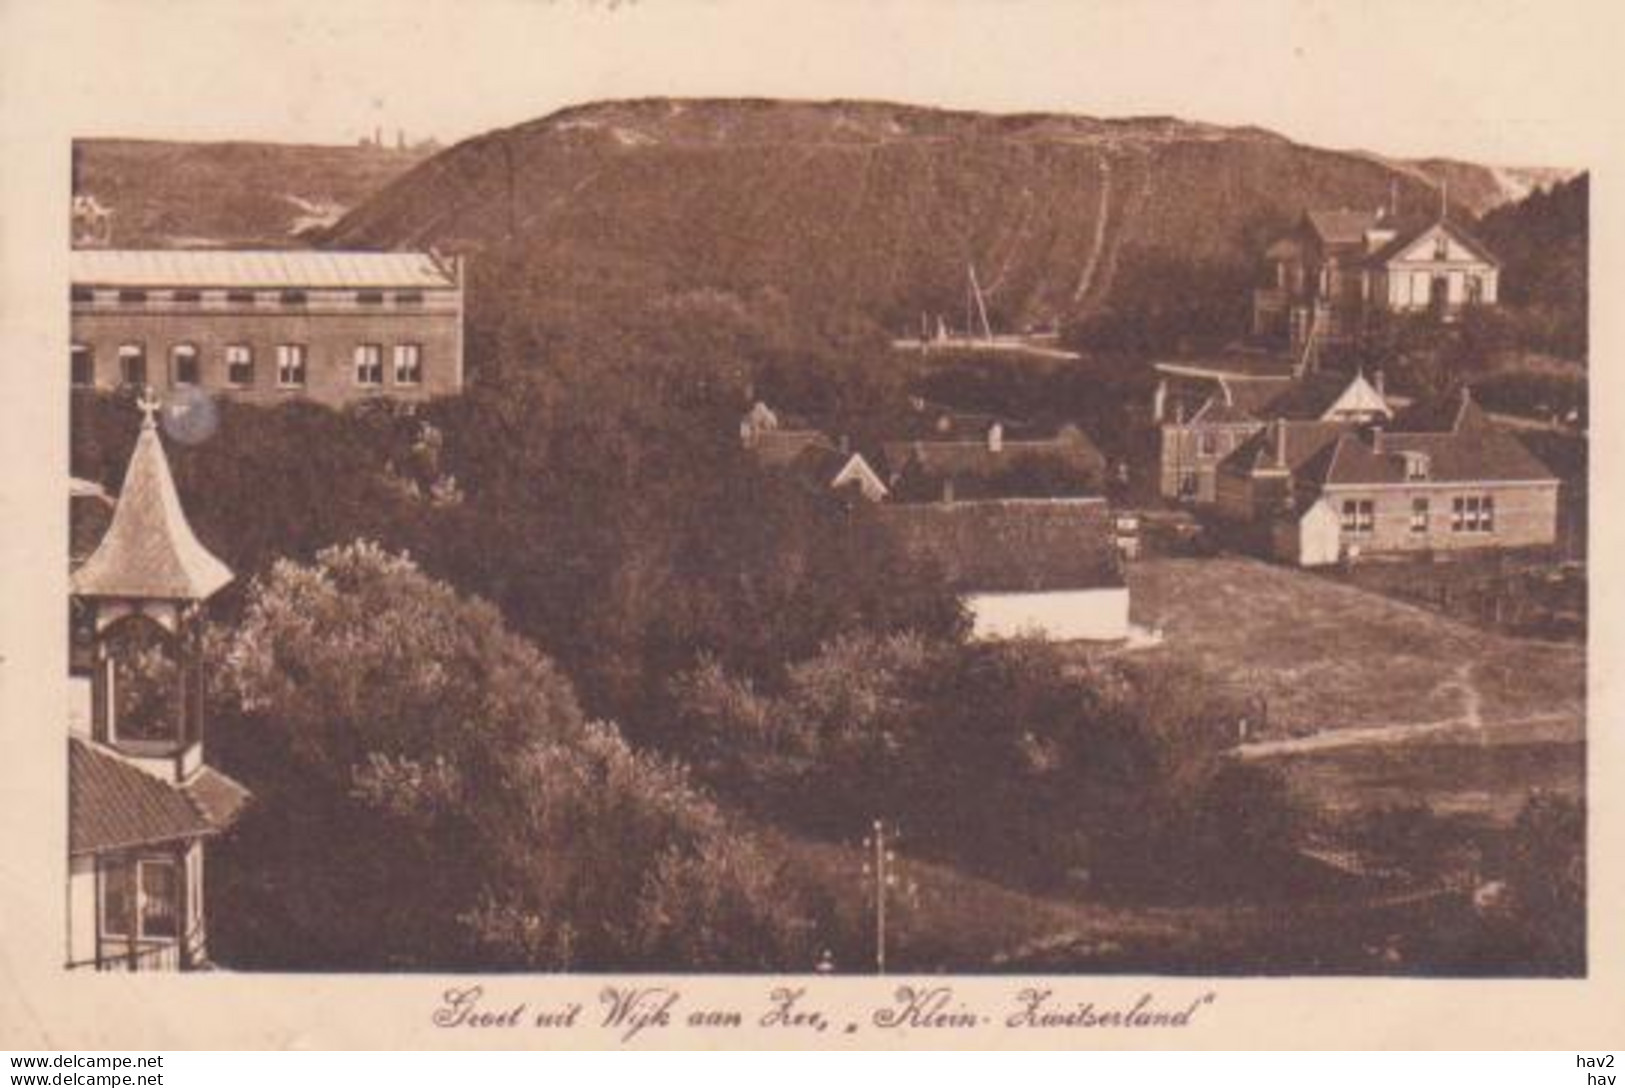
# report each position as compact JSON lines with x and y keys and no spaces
{"x":995,"y":437}
{"x":1280,"y":442}
{"x":1378,"y":382}
{"x":845,"y":443}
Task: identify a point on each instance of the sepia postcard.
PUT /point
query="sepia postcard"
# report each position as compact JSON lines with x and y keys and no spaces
{"x":704,"y":524}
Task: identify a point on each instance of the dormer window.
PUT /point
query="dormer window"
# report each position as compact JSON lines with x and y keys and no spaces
{"x":1416,"y":466}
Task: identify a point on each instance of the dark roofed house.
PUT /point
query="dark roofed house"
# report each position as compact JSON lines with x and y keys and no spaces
{"x":1338,"y":268}
{"x":996,"y":463}
{"x":807,"y":454}
{"x":1440,"y":478}
{"x":1046,"y":567}
{"x":142,"y":801}
{"x":1230,"y":410}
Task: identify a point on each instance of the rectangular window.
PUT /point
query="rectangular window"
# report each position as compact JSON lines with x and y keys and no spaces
{"x":408,"y":364}
{"x":183,"y":368}
{"x":132,"y":296}
{"x":1472,"y":514}
{"x":290,"y":365}
{"x":1441,"y":248}
{"x":239,"y":365}
{"x":1208,"y":444}
{"x":118,"y":900}
{"x":240,"y":298}
{"x":1359,"y":516}
{"x":369,"y":364}
{"x":1419,"y":515}
{"x":186,"y":295}
{"x":369,"y":298}
{"x":160,"y":898}
{"x":1416,"y":466}
{"x":81,"y":294}
{"x":132,"y":364}
{"x":409,"y":298}
{"x":294,"y":298}
{"x":84,"y":365}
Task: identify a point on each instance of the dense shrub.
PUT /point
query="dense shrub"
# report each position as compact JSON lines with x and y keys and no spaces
{"x":1004,"y":757}
{"x":430,"y":795}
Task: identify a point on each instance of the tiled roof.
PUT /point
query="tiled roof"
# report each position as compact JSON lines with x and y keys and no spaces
{"x":113,"y":804}
{"x":1342,"y":226}
{"x":149,"y":550}
{"x":973,"y":458}
{"x":1304,"y":439}
{"x":90,"y":510}
{"x":1467,"y":457}
{"x":1012,"y":545}
{"x":1310,"y":397}
{"x":219,"y":798}
{"x":776,"y":449}
{"x":1254,"y":395}
{"x":270,"y":268}
{"x":1405,"y":239}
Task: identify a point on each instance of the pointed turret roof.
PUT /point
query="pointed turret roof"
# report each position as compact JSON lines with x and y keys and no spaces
{"x":149,"y":549}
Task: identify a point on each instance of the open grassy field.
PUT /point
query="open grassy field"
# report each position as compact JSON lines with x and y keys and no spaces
{"x":1329,"y":656}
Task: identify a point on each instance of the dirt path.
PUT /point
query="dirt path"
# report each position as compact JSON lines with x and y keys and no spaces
{"x":1087,"y":278}
{"x":1394,"y":733}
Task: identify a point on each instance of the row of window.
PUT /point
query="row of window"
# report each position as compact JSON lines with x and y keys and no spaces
{"x":293,"y":296}
{"x":184,"y":365}
{"x":1468,"y":514}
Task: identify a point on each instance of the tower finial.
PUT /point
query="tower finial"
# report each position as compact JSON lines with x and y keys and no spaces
{"x":149,"y":406}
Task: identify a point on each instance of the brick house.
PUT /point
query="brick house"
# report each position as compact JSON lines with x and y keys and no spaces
{"x":143,"y":802}
{"x":1207,"y":409}
{"x":1441,"y":477}
{"x":267,"y":325}
{"x":1336,"y":269}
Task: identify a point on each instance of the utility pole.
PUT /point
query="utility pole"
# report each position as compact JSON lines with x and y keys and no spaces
{"x":879,"y":866}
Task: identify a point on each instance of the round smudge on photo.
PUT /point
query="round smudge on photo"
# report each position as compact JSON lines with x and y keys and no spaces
{"x":189,"y":415}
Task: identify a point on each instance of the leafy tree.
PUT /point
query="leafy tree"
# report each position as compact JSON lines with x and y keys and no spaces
{"x":430,"y":795}
{"x":1008,"y":758}
{"x":1546,"y":874}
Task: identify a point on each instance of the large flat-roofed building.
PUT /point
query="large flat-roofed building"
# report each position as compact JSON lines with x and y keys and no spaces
{"x":265,"y":325}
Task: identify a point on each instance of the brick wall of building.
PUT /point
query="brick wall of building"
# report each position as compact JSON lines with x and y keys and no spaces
{"x":1183,"y":454}
{"x":330,"y":329}
{"x":1525,"y":516}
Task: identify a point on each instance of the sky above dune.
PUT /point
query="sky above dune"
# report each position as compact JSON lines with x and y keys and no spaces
{"x":1497,"y":81}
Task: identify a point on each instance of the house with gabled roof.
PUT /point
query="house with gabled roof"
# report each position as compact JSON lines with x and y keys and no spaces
{"x":1337,"y":268}
{"x":1000,"y":460}
{"x":1048,"y":568}
{"x":1208,"y":409}
{"x":1440,"y":477}
{"x":143,"y":802}
{"x":783,"y":443}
